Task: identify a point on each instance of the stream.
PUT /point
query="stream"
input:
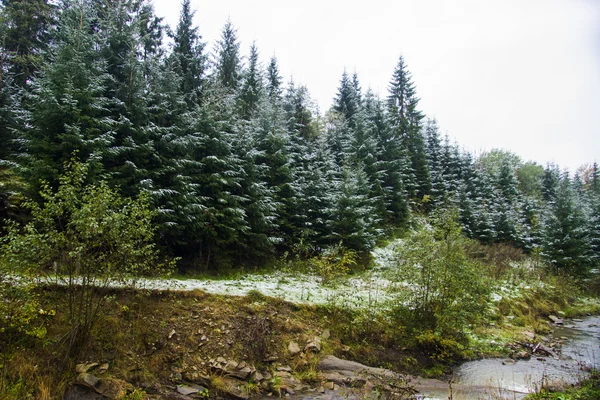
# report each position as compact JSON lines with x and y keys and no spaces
{"x":490,"y":379}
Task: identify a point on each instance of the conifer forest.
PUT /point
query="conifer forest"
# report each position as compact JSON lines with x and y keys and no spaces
{"x":132,"y":151}
{"x":237,"y":162}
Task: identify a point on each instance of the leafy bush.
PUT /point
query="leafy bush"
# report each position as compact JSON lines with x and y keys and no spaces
{"x":444,"y":292}
{"x":87,"y":237}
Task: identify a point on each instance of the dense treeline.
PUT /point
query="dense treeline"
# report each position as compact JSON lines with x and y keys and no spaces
{"x":238,"y":164}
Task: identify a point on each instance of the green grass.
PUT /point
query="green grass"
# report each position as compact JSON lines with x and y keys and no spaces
{"x":587,"y":389}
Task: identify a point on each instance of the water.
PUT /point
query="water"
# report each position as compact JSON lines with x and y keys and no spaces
{"x":490,"y":379}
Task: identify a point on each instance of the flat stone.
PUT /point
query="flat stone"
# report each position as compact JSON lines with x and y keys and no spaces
{"x":242,"y":374}
{"x":555,"y":319}
{"x":191,"y":389}
{"x":508,"y":361}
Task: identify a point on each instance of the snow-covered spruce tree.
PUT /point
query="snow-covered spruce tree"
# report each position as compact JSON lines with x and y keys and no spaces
{"x":221,"y":218}
{"x":27,"y":33}
{"x":405,"y":119}
{"x":187,"y":57}
{"x":433,"y":151}
{"x":347,"y":99}
{"x":550,"y":182}
{"x":256,"y":195}
{"x":369,"y":122}
{"x":132,"y":157}
{"x":252,"y":86}
{"x":228,"y":63}
{"x":565,"y":243}
{"x":353,"y":221}
{"x":68,"y":109}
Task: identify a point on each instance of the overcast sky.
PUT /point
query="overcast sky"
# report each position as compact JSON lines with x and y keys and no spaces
{"x":522,"y":75}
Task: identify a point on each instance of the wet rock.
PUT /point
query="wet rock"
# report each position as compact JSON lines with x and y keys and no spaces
{"x":293,"y":348}
{"x":508,"y":361}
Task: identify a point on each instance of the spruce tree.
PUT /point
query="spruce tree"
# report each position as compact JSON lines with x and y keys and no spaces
{"x":27,"y":33}
{"x":187,"y":55}
{"x":566,"y":242}
{"x":228,"y":63}
{"x":405,"y":120}
{"x":252,"y":85}
{"x":68,"y":110}
{"x":347,"y":99}
{"x":352,"y":217}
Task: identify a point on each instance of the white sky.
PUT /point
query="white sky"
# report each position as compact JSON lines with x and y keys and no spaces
{"x":522,"y":75}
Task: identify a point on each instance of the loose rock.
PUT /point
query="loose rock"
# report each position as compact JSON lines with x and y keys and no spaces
{"x":314,"y":345}
{"x":293,"y":348}
{"x":85,"y":367}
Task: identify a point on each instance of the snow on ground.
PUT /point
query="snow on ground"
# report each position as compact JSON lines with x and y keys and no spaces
{"x":368,"y":290}
{"x":297,"y":288}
